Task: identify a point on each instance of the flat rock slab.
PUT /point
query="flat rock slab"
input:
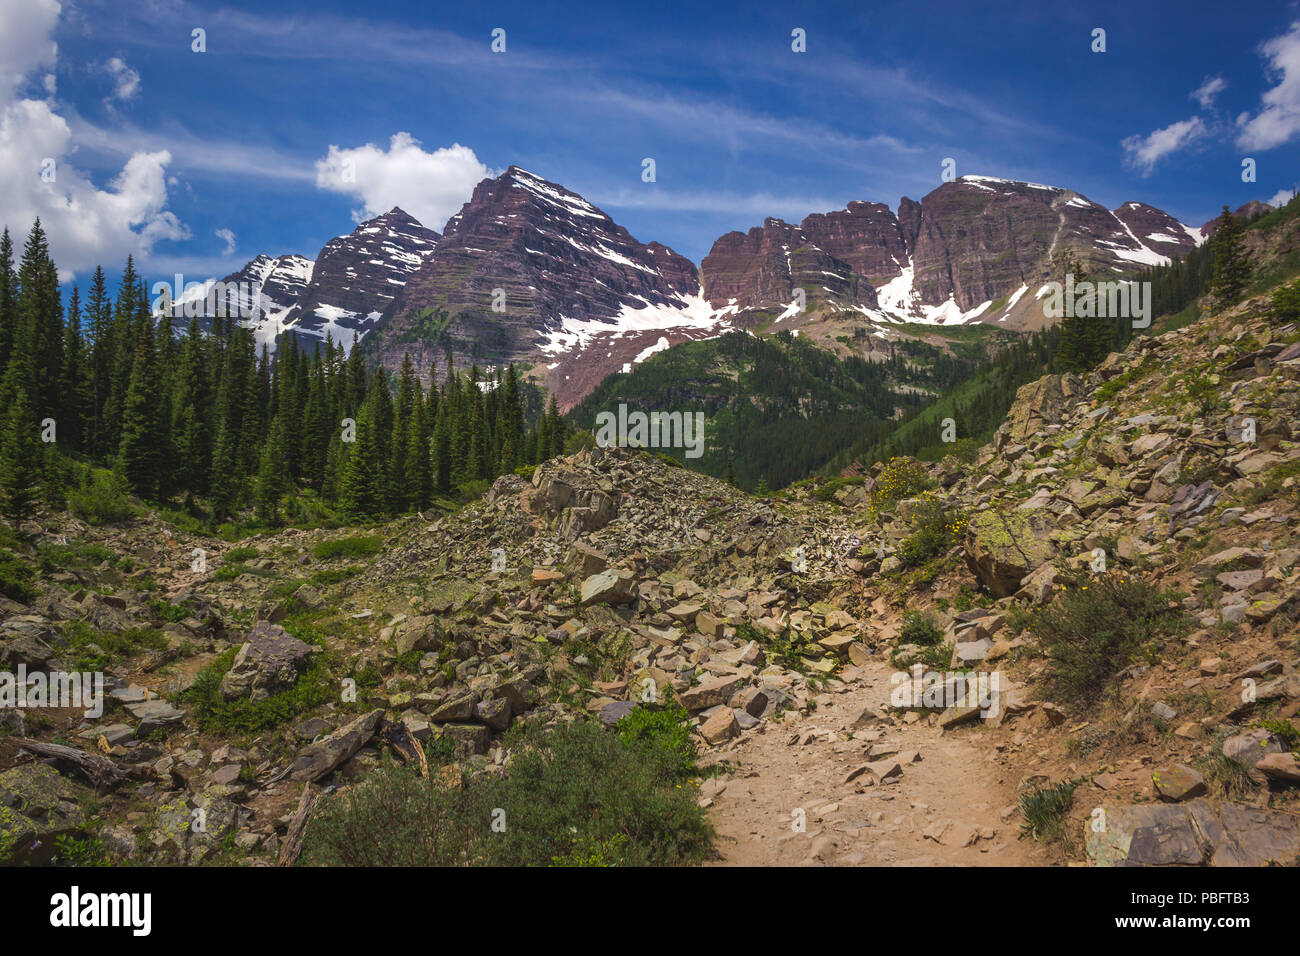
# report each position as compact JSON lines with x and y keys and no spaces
{"x":1193,"y":834}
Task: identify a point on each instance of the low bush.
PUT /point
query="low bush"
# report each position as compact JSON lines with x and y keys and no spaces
{"x":358,"y":546}
{"x":16,"y":577}
{"x":103,"y":500}
{"x":573,"y":795}
{"x":1096,"y":626}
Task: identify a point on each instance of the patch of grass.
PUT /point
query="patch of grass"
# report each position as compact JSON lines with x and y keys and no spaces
{"x":244,"y":553}
{"x":1043,"y":811}
{"x":1225,"y":777}
{"x":92,"y":650}
{"x":357,"y":546}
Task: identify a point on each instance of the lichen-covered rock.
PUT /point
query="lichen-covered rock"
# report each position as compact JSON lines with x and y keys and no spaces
{"x":1002,"y":547}
{"x":37,"y":805}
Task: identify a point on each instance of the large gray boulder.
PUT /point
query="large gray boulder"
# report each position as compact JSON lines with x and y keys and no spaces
{"x":269,"y":661}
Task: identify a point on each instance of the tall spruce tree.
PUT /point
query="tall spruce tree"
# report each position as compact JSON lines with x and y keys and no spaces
{"x":1231,"y":268}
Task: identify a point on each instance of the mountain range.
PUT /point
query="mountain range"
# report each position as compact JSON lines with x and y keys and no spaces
{"x":532,"y":273}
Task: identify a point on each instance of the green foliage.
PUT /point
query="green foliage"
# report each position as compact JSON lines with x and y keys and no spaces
{"x":777,"y":407}
{"x":918,"y":627}
{"x":1098,"y":625}
{"x":1231,"y":267}
{"x":576,"y":794}
{"x":661,"y":729}
{"x":900,"y":478}
{"x":1285,"y":303}
{"x":1043,"y":811}
{"x":935,"y":527}
{"x":95,"y":650}
{"x":102,"y":500}
{"x":213,"y":714}
{"x":16,"y":578}
{"x":357,"y":546}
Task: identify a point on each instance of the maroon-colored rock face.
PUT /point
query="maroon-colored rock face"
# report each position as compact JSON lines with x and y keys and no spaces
{"x":1251,"y":210}
{"x":974,"y":240}
{"x":530,"y":271}
{"x":1156,"y":229}
{"x":358,"y":275}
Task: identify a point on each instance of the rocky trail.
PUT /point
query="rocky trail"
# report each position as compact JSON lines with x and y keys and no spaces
{"x":944,"y":799}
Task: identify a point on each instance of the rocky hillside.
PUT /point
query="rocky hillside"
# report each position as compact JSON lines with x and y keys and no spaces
{"x":1123,"y":556}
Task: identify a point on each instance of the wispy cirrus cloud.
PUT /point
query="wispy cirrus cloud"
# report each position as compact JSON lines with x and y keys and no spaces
{"x":1144,"y":152}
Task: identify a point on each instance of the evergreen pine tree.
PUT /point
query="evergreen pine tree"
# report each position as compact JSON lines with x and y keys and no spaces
{"x":1231,"y":268}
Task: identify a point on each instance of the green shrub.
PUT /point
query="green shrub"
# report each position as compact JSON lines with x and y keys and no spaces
{"x":1286,"y":303}
{"x":245,"y":553}
{"x":573,"y":795}
{"x":213,"y":714}
{"x":900,"y":478}
{"x":94,"y":650}
{"x":16,"y":577}
{"x":664,"y":731}
{"x":936,"y":527}
{"x":358,"y":546}
{"x":103,"y":500}
{"x":1098,"y":625}
{"x":918,"y":627}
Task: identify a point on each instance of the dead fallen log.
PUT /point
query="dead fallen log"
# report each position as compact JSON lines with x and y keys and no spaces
{"x":292,"y":845}
{"x":98,"y":769}
{"x":397,"y":736}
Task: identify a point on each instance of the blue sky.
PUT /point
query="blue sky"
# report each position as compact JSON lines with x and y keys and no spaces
{"x":198,"y":161}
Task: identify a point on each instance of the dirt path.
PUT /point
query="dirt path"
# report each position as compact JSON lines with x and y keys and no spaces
{"x":955,"y":792}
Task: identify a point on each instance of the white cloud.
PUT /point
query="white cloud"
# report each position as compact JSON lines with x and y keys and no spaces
{"x":227,"y":237}
{"x":25,"y":42}
{"x":126,"y":81}
{"x":1143,"y":152}
{"x":430,"y":186}
{"x":1282,"y":197}
{"x":1278,"y":120}
{"x":86,"y":225}
{"x":1210,"y":87}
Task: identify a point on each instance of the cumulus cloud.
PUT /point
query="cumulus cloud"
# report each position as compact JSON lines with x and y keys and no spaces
{"x":1278,"y":119}
{"x":1143,"y":152}
{"x":431,"y":186}
{"x":1282,"y":197}
{"x":86,"y":224}
{"x":228,"y":237}
{"x":126,"y":81}
{"x":1210,"y":87}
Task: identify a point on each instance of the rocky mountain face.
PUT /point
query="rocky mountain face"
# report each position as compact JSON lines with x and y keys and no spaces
{"x":970,"y":250}
{"x":356,"y":276}
{"x":341,"y":294}
{"x":529,"y":271}
{"x":1245,"y":212}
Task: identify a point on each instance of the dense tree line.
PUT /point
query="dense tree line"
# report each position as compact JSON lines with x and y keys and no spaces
{"x":202,"y":414}
{"x":777,"y":406}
